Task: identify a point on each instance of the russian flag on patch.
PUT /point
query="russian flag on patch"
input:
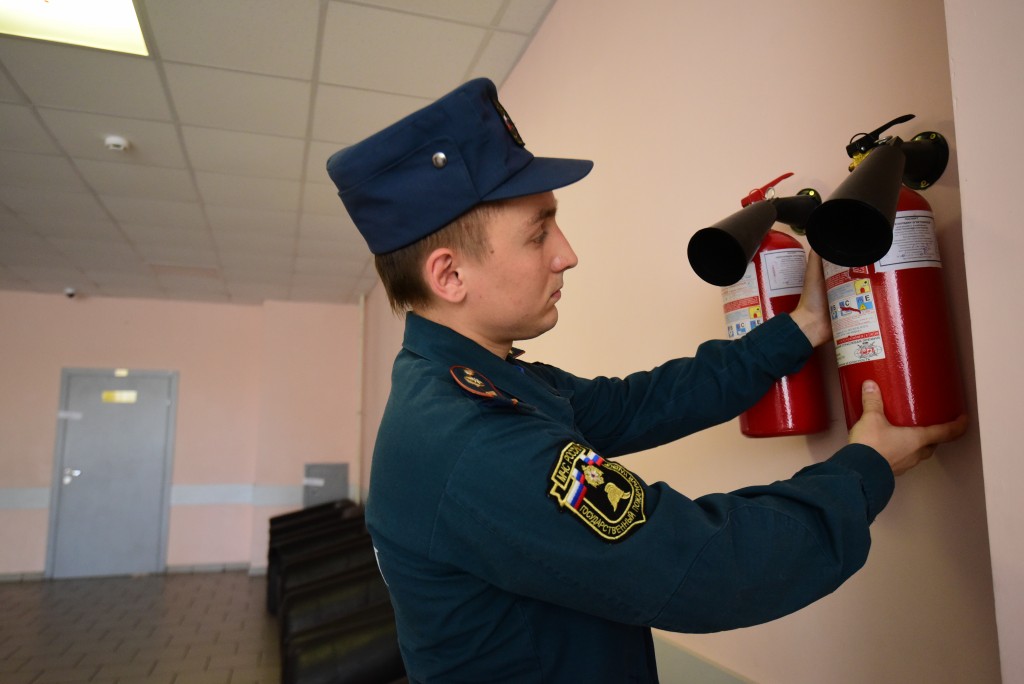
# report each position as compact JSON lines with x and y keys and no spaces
{"x":592,"y":458}
{"x":577,"y":490}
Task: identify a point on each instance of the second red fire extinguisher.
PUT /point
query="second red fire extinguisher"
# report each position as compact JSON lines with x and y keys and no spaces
{"x":891,"y":325}
{"x":887,"y":301}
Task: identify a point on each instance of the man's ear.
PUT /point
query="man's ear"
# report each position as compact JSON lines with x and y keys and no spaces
{"x":441,"y":273}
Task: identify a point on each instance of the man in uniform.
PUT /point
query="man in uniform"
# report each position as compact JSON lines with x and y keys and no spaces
{"x":514,"y":546}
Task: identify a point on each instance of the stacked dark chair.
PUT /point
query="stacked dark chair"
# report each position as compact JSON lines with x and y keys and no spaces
{"x":336,"y":622}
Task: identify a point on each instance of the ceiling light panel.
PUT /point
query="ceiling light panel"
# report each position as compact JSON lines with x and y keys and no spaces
{"x":104,"y":24}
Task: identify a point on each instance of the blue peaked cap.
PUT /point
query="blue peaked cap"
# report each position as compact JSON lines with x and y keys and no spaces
{"x":421,"y":173}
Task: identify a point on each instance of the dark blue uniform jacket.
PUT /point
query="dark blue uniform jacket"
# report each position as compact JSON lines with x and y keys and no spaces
{"x":516,"y":550}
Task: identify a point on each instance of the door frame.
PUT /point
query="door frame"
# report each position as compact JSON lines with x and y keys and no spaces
{"x":58,"y":467}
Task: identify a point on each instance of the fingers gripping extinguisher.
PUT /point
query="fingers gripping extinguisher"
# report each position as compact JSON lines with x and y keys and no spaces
{"x":761,"y":273}
{"x":886,"y":295}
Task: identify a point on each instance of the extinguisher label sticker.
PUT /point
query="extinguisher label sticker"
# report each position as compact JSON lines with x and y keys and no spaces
{"x":782,"y":271}
{"x":854,"y":318}
{"x":742,"y":305}
{"x":913,"y":243}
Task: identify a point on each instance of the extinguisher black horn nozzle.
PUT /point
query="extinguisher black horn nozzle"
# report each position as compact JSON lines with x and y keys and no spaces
{"x":720,"y":254}
{"x":849,"y":232}
{"x":854,"y":226}
{"x":716,"y":257}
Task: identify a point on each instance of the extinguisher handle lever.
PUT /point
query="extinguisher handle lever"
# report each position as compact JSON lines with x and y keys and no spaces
{"x":862,"y":142}
{"x":761,"y":193}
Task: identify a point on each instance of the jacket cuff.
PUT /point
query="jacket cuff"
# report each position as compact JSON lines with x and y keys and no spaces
{"x":876,"y":477}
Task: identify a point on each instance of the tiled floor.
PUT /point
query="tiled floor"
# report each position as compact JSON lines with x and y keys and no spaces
{"x":203,"y":628}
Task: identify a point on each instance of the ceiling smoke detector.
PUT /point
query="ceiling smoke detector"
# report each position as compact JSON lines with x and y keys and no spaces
{"x":116,"y":143}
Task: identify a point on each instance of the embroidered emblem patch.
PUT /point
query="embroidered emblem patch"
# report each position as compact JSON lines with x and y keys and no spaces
{"x":604,"y":495}
{"x":507,"y":120}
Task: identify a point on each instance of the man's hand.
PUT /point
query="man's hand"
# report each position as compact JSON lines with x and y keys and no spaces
{"x":811,"y":314}
{"x":902,"y":447}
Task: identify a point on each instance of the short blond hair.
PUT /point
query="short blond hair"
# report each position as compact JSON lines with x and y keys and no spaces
{"x":401,"y":270}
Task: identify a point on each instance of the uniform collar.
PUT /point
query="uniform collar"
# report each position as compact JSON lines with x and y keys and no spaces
{"x":443,"y":345}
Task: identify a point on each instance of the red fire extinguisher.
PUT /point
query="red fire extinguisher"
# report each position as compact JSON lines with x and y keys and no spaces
{"x":890,"y":322}
{"x":771,"y":283}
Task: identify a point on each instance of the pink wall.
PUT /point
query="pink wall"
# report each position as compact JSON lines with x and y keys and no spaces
{"x":684,"y":107}
{"x":262,"y":390}
{"x":987,"y":61}
{"x":383,"y":340}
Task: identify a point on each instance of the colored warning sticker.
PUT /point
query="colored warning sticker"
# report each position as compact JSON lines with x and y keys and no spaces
{"x":913,"y":243}
{"x":782,"y":272}
{"x":742,"y":305}
{"x":855,"y":326}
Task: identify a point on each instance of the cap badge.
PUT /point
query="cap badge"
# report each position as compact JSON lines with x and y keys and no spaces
{"x":509,"y":125}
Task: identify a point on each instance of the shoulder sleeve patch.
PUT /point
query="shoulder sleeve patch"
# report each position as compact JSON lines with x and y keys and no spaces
{"x":605,"y":496}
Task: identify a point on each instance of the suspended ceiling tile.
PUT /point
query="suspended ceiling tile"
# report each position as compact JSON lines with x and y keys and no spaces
{"x":350,"y":114}
{"x":327,"y":248}
{"x":8,"y":93}
{"x":316,"y":165}
{"x":322,"y":199}
{"x":239,"y":191}
{"x":23,"y":170}
{"x":192,"y":284}
{"x":21,"y":131}
{"x":244,"y":154}
{"x":76,"y":228}
{"x":359,"y":50}
{"x":134,"y":290}
{"x":50,"y":274}
{"x":525,"y":16}
{"x":231,"y":100}
{"x":240,"y":244}
{"x":154,"y":253}
{"x":259,"y":36}
{"x":30,"y":255}
{"x":141,"y":234}
{"x":36,"y":202}
{"x":479,"y":12}
{"x":82,"y":135}
{"x":318,"y":265}
{"x":256,"y":292}
{"x":67,"y":77}
{"x":329,"y":229}
{"x":79,"y":246}
{"x":12,"y":281}
{"x":127,"y":180}
{"x":244,"y":221}
{"x":155,"y":212}
{"x":144,"y":276}
{"x":255,"y":268}
{"x":499,"y":55}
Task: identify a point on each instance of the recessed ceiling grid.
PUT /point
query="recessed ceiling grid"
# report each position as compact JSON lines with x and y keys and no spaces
{"x":221,"y":194}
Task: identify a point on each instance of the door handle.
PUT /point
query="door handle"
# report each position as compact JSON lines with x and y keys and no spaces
{"x":70,"y":474}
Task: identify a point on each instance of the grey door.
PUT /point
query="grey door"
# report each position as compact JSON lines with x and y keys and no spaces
{"x":112,"y":473}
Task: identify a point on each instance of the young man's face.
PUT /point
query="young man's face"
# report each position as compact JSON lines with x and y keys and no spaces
{"x":512,"y":292}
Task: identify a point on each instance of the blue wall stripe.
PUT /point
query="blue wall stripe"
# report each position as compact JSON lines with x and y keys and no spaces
{"x":33,"y":498}
{"x":24,"y":498}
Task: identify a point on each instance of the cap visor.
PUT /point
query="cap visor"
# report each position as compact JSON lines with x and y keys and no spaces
{"x":541,"y":175}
